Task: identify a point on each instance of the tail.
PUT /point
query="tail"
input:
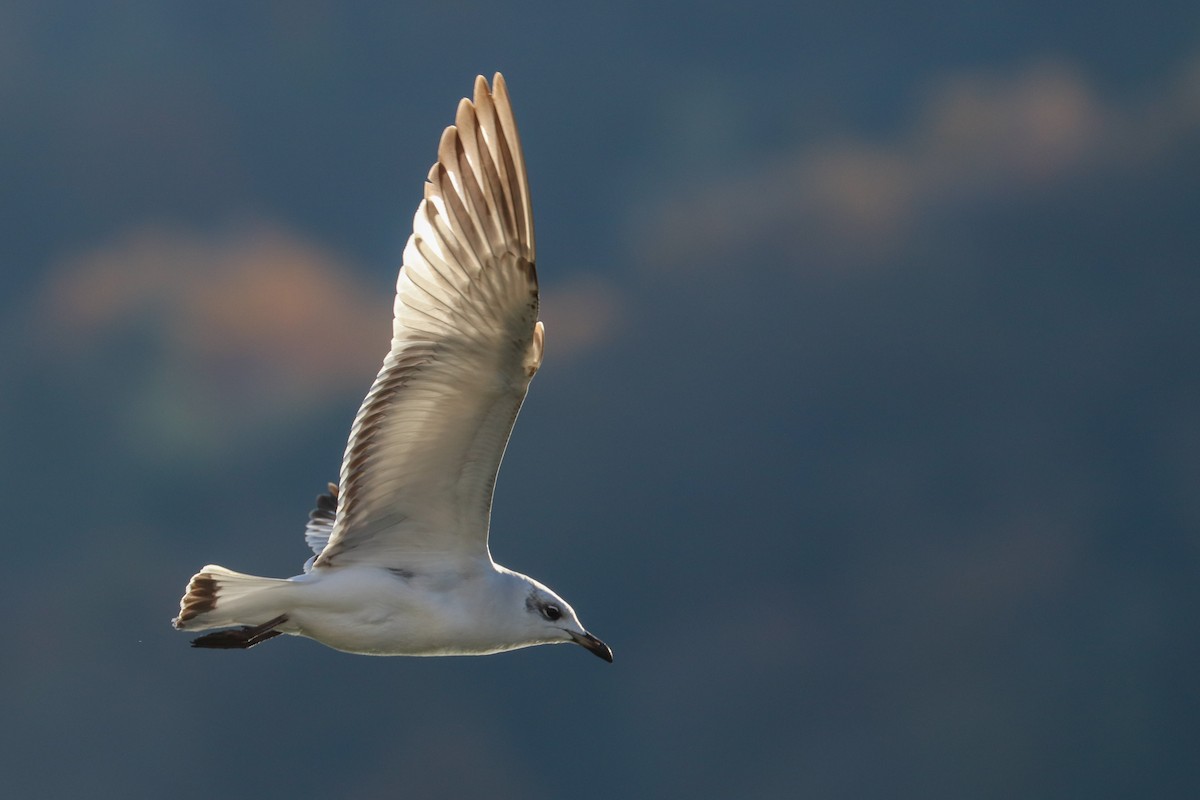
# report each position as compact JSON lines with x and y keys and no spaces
{"x":217,"y":597}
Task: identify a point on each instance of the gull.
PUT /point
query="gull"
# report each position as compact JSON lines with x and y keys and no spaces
{"x":401,"y":564}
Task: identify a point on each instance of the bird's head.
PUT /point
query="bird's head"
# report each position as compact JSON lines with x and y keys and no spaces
{"x":555,"y":621}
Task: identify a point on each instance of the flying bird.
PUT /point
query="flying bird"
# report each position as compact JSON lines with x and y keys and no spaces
{"x":401,"y":564}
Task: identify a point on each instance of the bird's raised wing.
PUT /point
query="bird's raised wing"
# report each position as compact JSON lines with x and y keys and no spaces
{"x":416,"y":481}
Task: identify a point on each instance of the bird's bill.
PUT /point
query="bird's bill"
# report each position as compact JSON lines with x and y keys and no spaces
{"x":594,"y":645}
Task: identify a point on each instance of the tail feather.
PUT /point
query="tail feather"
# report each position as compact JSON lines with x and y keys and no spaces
{"x":218,"y":597}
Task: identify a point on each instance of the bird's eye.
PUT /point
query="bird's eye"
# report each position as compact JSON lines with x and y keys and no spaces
{"x":551,"y":612}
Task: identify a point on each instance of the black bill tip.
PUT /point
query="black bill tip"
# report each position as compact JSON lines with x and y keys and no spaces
{"x":593,"y":645}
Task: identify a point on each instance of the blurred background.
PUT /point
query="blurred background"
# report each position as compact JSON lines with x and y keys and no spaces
{"x":867,"y":434}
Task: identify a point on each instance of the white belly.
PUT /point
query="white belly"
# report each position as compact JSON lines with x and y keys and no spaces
{"x":372,"y":611}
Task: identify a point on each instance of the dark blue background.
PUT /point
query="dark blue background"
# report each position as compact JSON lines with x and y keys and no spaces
{"x":867,"y":433}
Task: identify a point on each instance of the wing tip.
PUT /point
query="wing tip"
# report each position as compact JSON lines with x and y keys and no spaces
{"x":500,"y":89}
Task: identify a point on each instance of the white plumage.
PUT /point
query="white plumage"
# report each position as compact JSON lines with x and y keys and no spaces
{"x":401,"y":563}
